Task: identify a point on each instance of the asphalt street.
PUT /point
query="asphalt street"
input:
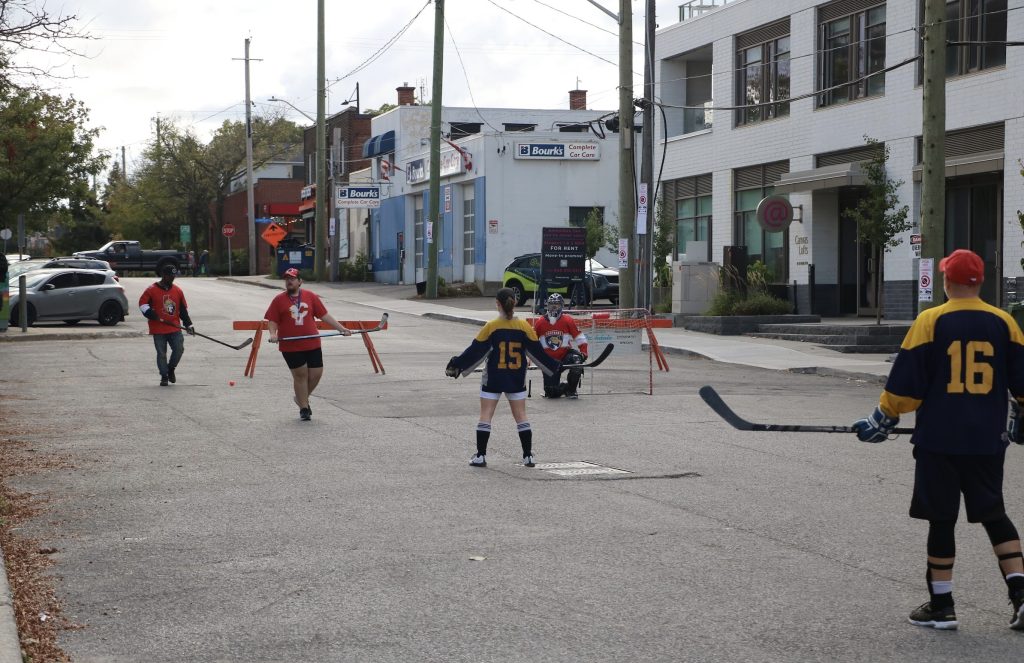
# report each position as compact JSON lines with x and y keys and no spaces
{"x":205,"y":522}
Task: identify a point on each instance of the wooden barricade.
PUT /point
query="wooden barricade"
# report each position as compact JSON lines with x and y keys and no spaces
{"x":259,"y":325}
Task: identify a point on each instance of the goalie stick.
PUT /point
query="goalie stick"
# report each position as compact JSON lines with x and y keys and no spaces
{"x":380,"y":325}
{"x":241,"y":345}
{"x":716,"y":403}
{"x":590,"y":364}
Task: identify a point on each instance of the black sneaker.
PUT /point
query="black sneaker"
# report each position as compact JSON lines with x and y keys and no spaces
{"x":1017,"y":601}
{"x":170,"y":375}
{"x":305,"y":414}
{"x":941,"y":618}
{"x":163,"y":380}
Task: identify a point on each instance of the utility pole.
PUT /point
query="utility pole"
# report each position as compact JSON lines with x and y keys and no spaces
{"x":627,"y":204}
{"x":645,"y":236}
{"x":124,"y":165}
{"x":933,"y":144}
{"x":433,"y":226}
{"x":319,"y":254}
{"x":250,"y":195}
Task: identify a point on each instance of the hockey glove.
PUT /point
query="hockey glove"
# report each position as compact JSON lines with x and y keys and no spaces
{"x":1013,"y":427}
{"x":876,"y":427}
{"x":191,"y":330}
{"x":150,"y":314}
{"x":451,"y":370}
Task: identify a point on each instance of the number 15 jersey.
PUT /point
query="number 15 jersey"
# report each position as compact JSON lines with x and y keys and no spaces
{"x":505,"y":344}
{"x":954,"y":367}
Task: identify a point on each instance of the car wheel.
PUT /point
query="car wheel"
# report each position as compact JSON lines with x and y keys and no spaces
{"x":71,"y":323}
{"x":110,"y":314}
{"x":14,"y":315}
{"x":521,"y":295}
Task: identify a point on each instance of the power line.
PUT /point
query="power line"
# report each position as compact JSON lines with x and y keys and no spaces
{"x":383,"y":49}
{"x":573,"y":16}
{"x":466,"y":74}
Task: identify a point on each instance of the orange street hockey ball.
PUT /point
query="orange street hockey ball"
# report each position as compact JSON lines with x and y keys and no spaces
{"x":231,"y":383}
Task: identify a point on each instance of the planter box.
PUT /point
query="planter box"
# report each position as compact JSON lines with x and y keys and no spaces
{"x":735,"y":325}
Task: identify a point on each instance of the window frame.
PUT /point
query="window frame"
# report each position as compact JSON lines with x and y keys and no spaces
{"x":972,"y":58}
{"x":468,"y":225}
{"x":858,"y":52}
{"x":767,"y":65}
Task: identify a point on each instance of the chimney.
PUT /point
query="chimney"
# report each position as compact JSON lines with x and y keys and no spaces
{"x":406,"y":95}
{"x":577,"y":100}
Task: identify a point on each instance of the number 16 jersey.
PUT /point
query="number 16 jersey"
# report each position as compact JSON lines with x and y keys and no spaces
{"x":505,"y":344}
{"x":954,"y":367}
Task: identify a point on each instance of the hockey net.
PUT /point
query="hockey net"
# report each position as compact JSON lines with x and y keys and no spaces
{"x":632,"y":332}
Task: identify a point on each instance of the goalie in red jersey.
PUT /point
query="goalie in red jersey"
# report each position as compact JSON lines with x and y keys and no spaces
{"x":563,"y":341}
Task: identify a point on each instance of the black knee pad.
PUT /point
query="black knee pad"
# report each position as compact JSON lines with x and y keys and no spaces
{"x":1000,"y":530}
{"x":941,"y":538}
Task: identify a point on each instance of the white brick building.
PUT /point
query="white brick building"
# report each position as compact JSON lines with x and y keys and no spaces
{"x":719,"y":165}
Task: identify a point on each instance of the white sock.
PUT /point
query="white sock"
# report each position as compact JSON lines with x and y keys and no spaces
{"x":942,"y":586}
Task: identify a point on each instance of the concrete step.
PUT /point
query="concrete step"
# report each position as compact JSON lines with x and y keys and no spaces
{"x":837,"y":330}
{"x":830,"y":340}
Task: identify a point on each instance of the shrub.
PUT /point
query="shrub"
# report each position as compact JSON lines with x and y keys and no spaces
{"x":761,"y":303}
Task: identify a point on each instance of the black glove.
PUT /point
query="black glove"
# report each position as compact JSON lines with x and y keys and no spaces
{"x":191,"y":330}
{"x":876,"y":427}
{"x":1013,"y":427}
{"x":150,"y":314}
{"x":451,"y":370}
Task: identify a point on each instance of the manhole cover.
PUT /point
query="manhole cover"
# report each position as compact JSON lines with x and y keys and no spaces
{"x":578,"y":468}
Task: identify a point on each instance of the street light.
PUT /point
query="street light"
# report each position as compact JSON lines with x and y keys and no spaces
{"x":353,"y":98}
{"x":296,"y":108}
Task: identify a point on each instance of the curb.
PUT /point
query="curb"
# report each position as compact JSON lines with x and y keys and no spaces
{"x":453,"y":318}
{"x":64,"y":336}
{"x":10,"y":646}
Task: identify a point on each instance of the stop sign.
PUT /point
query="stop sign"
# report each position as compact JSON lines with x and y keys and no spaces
{"x":227,"y":230}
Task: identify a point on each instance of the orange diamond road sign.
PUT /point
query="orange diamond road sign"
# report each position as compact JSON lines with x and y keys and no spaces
{"x":274,"y":234}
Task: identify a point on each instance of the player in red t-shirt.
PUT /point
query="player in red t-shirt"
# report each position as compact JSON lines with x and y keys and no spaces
{"x":294,"y":313}
{"x":163,"y":304}
{"x":558,"y":334}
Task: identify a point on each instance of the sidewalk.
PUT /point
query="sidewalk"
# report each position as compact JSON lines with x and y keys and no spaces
{"x":771,"y":354}
{"x":743,"y":350}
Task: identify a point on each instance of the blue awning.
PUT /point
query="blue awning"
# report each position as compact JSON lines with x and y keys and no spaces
{"x":380,"y":144}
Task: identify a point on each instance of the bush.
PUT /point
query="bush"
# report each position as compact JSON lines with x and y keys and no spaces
{"x":761,"y":303}
{"x":356,"y":270}
{"x":753,"y":299}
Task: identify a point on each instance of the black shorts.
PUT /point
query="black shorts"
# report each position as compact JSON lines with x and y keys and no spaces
{"x":940,"y":478}
{"x":310,"y":358}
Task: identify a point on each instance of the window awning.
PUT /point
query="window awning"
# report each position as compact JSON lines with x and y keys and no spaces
{"x":971,"y":164}
{"x":380,"y":144}
{"x":818,"y":179}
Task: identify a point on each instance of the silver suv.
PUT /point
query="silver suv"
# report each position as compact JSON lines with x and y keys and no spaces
{"x":70,"y":295}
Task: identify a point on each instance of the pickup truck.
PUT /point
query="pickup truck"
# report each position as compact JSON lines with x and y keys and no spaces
{"x":125,"y":256}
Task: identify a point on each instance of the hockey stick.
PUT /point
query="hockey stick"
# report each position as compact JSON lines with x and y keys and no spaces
{"x":380,"y":325}
{"x":716,"y":403}
{"x":241,"y":345}
{"x":592,"y":364}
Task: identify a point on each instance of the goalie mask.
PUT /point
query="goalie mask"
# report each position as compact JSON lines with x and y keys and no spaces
{"x":554,"y":306}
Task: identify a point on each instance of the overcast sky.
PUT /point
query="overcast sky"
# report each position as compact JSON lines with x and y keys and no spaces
{"x":176,"y":58}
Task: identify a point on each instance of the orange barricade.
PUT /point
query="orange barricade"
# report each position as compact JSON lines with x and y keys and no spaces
{"x":259,"y":325}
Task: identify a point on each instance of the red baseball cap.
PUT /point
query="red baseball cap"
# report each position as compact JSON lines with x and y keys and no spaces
{"x":291,"y":272}
{"x":964,"y":267}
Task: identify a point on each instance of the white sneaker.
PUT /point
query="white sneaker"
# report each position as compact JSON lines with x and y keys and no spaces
{"x":528,"y":461}
{"x":478,"y":461}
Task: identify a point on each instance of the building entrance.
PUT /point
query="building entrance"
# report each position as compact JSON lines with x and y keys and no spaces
{"x":973,"y":210}
{"x":857,"y":271}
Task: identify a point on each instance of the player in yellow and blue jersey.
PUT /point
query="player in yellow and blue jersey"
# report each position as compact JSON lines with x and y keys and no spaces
{"x":955,"y":367}
{"x":504,"y":343}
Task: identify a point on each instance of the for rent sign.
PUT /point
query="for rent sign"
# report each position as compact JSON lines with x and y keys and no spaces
{"x":575,"y":151}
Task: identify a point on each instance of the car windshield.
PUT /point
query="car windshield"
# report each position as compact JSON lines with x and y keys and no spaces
{"x":19,"y":268}
{"x":595,"y":265}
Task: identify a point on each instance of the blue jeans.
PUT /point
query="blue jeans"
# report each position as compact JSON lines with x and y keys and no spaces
{"x":177,"y":343}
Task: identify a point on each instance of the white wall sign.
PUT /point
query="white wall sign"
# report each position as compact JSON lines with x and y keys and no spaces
{"x":575,"y":151}
{"x":641,"y":209}
{"x":418,"y":170}
{"x":492,"y":226}
{"x":367,"y":196}
{"x":924,"y":288}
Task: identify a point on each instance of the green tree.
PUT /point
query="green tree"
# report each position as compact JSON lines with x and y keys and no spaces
{"x":47,"y":155}
{"x":664,"y":237}
{"x":384,"y":108}
{"x":879,"y":218}
{"x":598,"y":234}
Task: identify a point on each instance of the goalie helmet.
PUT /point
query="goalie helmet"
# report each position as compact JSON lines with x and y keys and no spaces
{"x":554,"y":305}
